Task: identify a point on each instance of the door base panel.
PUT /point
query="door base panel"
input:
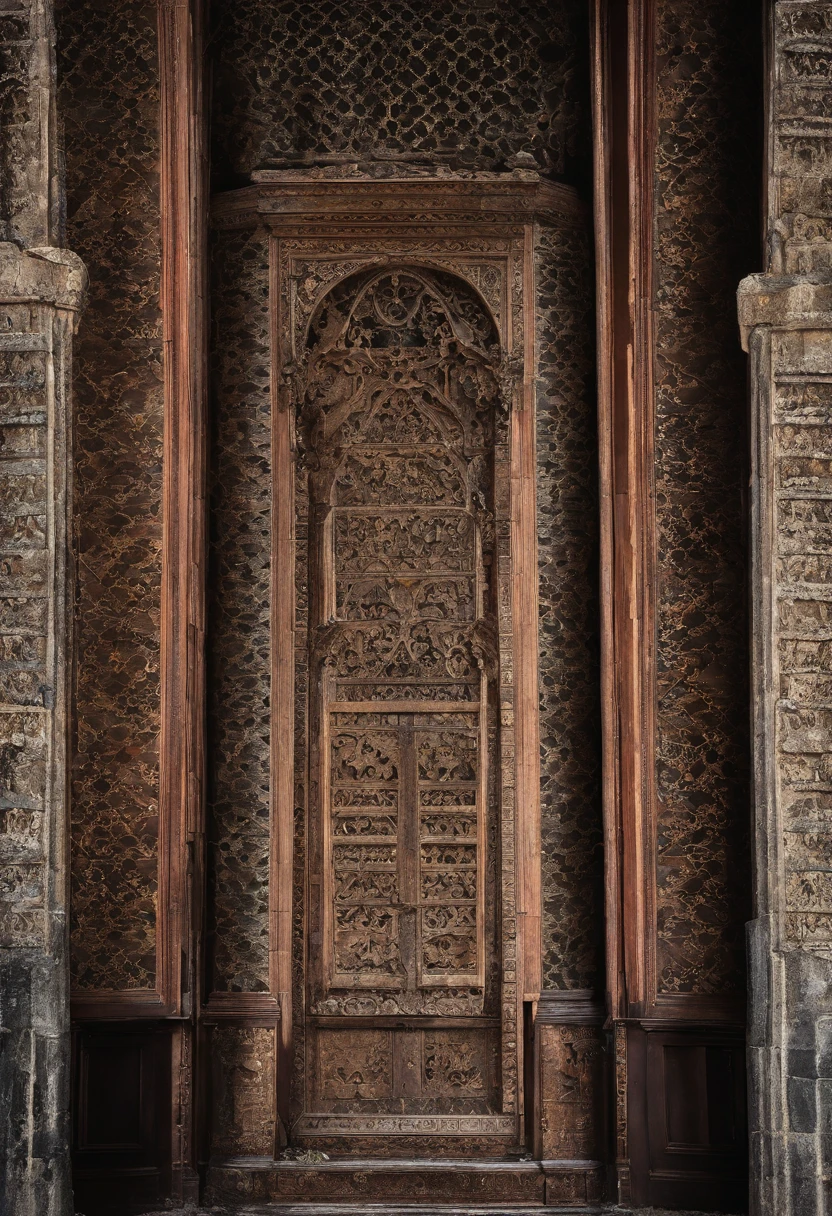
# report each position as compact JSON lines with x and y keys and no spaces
{"x":414,"y":1147}
{"x":568,"y":1185}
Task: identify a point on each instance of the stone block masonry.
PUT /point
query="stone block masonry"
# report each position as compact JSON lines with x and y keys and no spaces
{"x":786,"y":320}
{"x":41,"y":291}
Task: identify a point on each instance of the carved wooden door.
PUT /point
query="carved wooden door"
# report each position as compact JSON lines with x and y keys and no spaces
{"x":399,"y":428}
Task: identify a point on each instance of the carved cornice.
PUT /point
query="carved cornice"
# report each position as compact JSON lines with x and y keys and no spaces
{"x":784,"y":302}
{"x":328,"y":201}
{"x":578,"y":1007}
{"x":46,"y":275}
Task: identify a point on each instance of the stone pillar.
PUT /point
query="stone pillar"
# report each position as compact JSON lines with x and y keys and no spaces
{"x":786,"y":322}
{"x":790,"y":940}
{"x":41,"y":291}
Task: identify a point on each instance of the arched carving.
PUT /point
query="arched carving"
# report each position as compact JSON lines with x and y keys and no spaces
{"x":398,"y":426}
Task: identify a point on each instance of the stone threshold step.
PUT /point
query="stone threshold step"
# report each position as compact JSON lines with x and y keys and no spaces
{"x":413,"y":1209}
{"x":410,"y":1209}
{"x":386,"y":1209}
{"x":408,"y":1182}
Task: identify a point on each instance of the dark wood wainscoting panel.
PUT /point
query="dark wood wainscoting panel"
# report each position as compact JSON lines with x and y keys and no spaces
{"x":121,"y":1118}
{"x":688,"y":1111}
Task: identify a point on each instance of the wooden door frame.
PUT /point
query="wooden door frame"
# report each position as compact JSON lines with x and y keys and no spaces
{"x":440,"y":222}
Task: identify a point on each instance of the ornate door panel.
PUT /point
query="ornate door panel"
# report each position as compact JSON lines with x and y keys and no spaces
{"x":405,"y":1010}
{"x":400,"y":426}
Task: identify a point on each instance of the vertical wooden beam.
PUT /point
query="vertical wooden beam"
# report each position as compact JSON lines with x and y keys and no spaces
{"x":183,"y":194}
{"x":606,"y":206}
{"x":183,"y":199}
{"x":623,"y":230}
{"x":283,"y":683}
{"x":526,"y":692}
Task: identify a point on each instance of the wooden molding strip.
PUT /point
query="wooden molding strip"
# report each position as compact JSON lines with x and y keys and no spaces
{"x":183,"y":565}
{"x":623,"y":228}
{"x":525,"y":609}
{"x":128,"y":1003}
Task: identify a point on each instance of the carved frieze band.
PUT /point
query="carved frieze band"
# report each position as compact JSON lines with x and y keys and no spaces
{"x":801,"y":138}
{"x":401,"y":1125}
{"x":800,"y":460}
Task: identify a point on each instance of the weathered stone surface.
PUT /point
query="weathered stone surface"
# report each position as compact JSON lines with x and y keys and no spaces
{"x":41,"y":288}
{"x":786,"y":323}
{"x":791,"y":939}
{"x":34,"y":631}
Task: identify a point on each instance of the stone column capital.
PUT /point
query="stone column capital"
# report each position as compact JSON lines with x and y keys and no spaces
{"x":47,"y":274}
{"x":784,"y":301}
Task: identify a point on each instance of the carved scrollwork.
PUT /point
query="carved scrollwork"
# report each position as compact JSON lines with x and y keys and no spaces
{"x":447,"y":756}
{"x":423,"y":477}
{"x":453,"y":1062}
{"x":369,"y":756}
{"x":355,"y":1068}
{"x":367,"y":940}
{"x":448,"y":825}
{"x":436,"y":1002}
{"x":509,"y":377}
{"x":427,"y":649}
{"x":365,"y":825}
{"x":407,"y":542}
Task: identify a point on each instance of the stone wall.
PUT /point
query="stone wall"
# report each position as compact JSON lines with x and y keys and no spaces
{"x":39,"y":293}
{"x":29,"y":194}
{"x":41,"y":289}
{"x":786,"y":317}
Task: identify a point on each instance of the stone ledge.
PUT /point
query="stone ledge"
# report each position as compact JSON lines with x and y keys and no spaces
{"x":784,"y":302}
{"x":47,"y":275}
